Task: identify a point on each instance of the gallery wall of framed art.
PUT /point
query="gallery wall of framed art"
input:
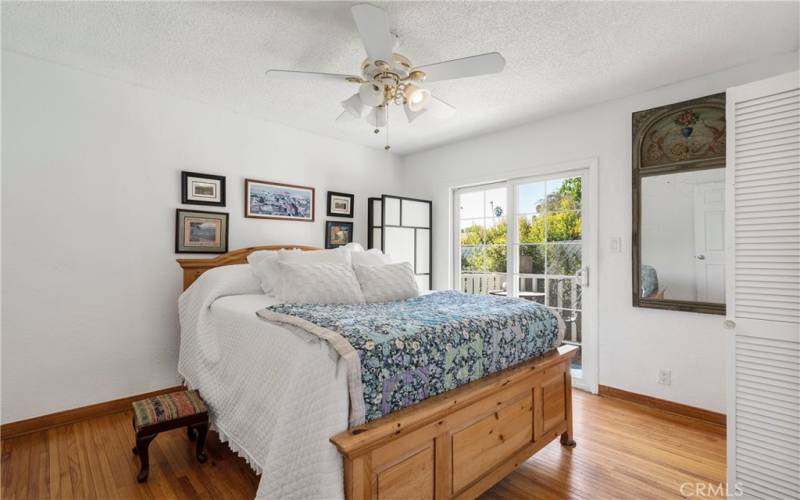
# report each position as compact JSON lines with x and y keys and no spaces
{"x":208,"y":232}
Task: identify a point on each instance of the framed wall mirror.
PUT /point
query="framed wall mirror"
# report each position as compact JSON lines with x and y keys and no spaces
{"x":679,"y":206}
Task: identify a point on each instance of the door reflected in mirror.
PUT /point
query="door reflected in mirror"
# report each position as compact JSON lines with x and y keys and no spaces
{"x":683,"y":236}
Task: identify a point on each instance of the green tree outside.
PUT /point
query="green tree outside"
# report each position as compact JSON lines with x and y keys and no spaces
{"x":484,"y":250}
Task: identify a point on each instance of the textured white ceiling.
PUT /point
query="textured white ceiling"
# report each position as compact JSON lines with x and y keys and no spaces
{"x":560,"y":55}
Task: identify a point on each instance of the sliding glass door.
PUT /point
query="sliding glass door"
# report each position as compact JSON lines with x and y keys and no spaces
{"x":525,"y":238}
{"x":549,"y":249}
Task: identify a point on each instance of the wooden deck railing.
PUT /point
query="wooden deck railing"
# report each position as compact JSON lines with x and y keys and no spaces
{"x":483,"y":284}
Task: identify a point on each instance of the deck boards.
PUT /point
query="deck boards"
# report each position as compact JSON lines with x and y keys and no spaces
{"x":624,"y":451}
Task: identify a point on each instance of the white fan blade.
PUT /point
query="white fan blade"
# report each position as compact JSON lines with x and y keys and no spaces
{"x":483,"y":64}
{"x":345,"y":117}
{"x":373,"y":25}
{"x":285,"y":74}
{"x":440,"y":109}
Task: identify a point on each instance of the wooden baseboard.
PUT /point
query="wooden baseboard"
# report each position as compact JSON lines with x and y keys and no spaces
{"x":664,"y":405}
{"x":14,"y":429}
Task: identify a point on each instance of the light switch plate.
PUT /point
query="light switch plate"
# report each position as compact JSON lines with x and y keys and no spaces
{"x":615,"y":244}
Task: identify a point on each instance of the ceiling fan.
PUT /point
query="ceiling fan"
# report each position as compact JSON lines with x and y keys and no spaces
{"x":388,"y":77}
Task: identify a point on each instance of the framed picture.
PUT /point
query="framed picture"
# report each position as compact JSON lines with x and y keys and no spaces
{"x":272,"y":200}
{"x":202,"y":189}
{"x":200,"y":232}
{"x":340,"y":204}
{"x":338,"y":234}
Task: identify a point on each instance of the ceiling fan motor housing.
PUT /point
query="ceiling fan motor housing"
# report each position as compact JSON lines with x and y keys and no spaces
{"x":391,"y":77}
{"x":375,"y":70}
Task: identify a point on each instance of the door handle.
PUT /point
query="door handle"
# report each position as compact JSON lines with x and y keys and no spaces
{"x":583,"y":277}
{"x":701,"y":257}
{"x":729,"y":324}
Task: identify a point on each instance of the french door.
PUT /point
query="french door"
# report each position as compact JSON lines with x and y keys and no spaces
{"x":528,"y":238}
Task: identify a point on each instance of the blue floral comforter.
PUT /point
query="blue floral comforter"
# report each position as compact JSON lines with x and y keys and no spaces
{"x":406,"y":351}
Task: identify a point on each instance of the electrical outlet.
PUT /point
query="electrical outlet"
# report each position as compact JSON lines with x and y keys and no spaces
{"x":665,"y":377}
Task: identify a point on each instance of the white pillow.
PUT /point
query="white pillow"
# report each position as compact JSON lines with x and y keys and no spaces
{"x":264,"y":264}
{"x":319,"y":284}
{"x":353,"y":247}
{"x":372,"y":257}
{"x":255,"y":258}
{"x":386,"y":283}
{"x":335,"y":256}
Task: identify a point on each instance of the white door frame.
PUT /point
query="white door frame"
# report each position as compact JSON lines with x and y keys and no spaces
{"x":590,"y":237}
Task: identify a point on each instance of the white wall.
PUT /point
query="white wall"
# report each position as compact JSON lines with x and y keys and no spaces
{"x":634,"y":343}
{"x":90,"y":184}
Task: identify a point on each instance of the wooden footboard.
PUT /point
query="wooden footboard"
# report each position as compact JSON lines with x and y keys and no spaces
{"x":458,"y":444}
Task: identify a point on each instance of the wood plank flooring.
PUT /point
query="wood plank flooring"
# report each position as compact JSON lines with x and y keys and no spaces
{"x":624,"y":451}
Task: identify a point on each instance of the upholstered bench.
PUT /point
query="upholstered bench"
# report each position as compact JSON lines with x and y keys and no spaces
{"x":166,"y":412}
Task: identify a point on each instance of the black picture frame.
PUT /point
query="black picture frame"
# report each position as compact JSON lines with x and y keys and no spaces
{"x":181,"y":245}
{"x":189,"y":197}
{"x":329,"y":228}
{"x":330,"y":207}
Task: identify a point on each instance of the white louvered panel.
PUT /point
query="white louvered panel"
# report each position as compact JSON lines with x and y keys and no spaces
{"x":767,"y":410}
{"x":766,"y":202}
{"x":763,"y":287}
{"x":752,"y":102}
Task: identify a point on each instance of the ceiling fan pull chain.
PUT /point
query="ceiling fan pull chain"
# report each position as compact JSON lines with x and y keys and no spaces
{"x":387,"y":147}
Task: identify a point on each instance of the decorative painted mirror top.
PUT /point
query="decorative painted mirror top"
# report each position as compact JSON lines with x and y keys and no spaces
{"x":688,"y":134}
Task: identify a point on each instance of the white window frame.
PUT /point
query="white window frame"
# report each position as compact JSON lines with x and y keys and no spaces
{"x":456,"y":223}
{"x":589,"y":211}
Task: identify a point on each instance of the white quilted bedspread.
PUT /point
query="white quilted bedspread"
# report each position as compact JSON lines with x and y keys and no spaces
{"x":274,"y":395}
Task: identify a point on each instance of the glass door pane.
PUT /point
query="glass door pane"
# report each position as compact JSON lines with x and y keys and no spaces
{"x":483,"y":240}
{"x":549,"y":249}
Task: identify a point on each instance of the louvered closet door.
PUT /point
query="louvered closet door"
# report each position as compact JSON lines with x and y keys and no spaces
{"x":763,"y":287}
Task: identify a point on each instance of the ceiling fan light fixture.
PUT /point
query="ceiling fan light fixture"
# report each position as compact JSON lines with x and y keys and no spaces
{"x":417,"y":98}
{"x":354,"y":106}
{"x":370,"y":94}
{"x":377,"y":116}
{"x":412,"y":115}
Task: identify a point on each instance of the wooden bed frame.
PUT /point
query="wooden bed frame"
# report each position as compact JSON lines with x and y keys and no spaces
{"x":454,"y":445}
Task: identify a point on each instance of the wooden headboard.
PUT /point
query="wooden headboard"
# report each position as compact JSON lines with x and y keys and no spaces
{"x":193,"y":268}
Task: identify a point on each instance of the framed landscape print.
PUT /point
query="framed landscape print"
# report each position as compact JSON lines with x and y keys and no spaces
{"x":340,"y":204}
{"x":272,"y":200}
{"x":338,"y":234}
{"x":201,"y":232}
{"x":202,"y":189}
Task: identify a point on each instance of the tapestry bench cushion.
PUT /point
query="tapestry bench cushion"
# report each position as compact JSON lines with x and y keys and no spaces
{"x":166,"y":407}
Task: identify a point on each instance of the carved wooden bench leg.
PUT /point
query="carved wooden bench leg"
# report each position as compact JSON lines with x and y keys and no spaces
{"x":201,"y":430}
{"x":141,"y":449}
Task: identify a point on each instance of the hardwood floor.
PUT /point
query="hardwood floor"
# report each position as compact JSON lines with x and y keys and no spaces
{"x":624,"y":451}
